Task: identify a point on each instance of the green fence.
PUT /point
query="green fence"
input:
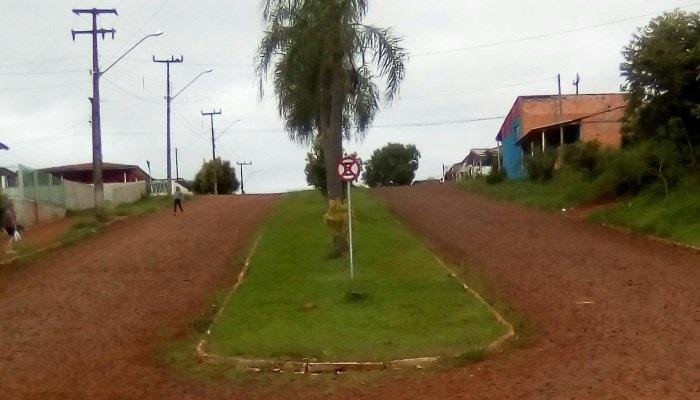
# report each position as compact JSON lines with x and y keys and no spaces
{"x":37,"y":186}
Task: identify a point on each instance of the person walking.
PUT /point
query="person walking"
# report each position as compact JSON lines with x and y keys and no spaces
{"x":177,"y":196}
{"x":9,"y":222}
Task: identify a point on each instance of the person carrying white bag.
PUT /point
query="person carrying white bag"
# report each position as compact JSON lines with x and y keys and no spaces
{"x":9,"y":221}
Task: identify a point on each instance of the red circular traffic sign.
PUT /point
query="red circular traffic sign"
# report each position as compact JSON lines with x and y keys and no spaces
{"x":349,"y":169}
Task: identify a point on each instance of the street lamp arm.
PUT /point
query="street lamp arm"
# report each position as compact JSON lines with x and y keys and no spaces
{"x":129,"y":51}
{"x":229,"y":127}
{"x":191,"y":82}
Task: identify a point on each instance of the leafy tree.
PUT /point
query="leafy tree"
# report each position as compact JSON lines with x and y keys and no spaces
{"x":316,"y":168}
{"x":393,"y":165}
{"x":661,"y":69}
{"x":324,"y":62}
{"x":226,"y":180}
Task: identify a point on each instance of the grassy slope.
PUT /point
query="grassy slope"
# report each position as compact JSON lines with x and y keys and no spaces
{"x":293,"y":304}
{"x":676,"y":217}
{"x":562,"y":192}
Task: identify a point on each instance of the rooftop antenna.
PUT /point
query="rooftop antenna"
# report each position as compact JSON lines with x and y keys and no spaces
{"x":577,"y":82}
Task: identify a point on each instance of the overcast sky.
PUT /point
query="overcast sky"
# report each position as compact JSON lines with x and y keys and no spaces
{"x":467,"y":62}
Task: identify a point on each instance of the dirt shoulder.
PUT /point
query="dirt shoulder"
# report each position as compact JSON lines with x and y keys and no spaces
{"x":618,"y":315}
{"x":85,"y":320}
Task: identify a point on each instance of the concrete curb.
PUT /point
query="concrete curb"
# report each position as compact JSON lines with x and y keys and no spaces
{"x":307,"y":366}
{"x":510,"y":331}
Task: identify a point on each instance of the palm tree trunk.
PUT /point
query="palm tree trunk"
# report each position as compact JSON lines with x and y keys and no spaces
{"x":333,"y":149}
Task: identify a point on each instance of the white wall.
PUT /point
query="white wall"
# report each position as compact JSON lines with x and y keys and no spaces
{"x":121,"y":193}
{"x":80,"y":196}
{"x":30,"y":213}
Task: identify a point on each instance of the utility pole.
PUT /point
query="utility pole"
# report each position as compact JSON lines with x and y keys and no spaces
{"x":577,"y":82}
{"x":561,"y":114}
{"x":99,"y":195}
{"x":213,"y":145}
{"x":168,"y":99}
{"x":242,"y":164}
{"x":177,"y":167}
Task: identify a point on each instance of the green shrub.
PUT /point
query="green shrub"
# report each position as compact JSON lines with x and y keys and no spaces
{"x":628,"y":171}
{"x":540,"y":166}
{"x":583,"y":156}
{"x":496,"y":176}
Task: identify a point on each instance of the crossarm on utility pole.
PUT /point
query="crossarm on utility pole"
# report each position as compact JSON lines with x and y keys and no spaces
{"x":95,"y":102}
{"x":213,"y":146}
{"x":168,"y":100}
{"x":243,"y":164}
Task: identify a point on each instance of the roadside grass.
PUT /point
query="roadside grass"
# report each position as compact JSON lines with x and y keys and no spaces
{"x":293,"y":304}
{"x":676,"y":217}
{"x":85,"y":224}
{"x":145,"y":205}
{"x":567,"y":189}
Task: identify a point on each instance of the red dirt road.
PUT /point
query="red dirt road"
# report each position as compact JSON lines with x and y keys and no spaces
{"x":85,"y":321}
{"x":618,"y":316}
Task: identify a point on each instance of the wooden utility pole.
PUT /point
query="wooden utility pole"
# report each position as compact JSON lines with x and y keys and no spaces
{"x":177,"y":167}
{"x":213,"y":145}
{"x":168,"y":100}
{"x":242,"y":164}
{"x":577,"y":82}
{"x":99,"y":195}
{"x":561,"y":115}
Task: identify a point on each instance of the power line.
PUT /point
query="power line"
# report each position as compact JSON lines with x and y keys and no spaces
{"x":545,"y":35}
{"x":44,"y":61}
{"x":440,"y":123}
{"x":149,"y":19}
{"x":402,"y":125}
{"x":129,"y":93}
{"x":69,"y":71}
{"x":486,"y":89}
{"x":18,"y":89}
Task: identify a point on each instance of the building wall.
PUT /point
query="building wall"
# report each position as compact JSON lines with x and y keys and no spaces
{"x":536,"y":111}
{"x":30,"y":213}
{"x":604,"y":128}
{"x":79,"y":196}
{"x":512,"y":152}
{"x":121,"y":193}
{"x":544,"y":111}
{"x":108,"y":176}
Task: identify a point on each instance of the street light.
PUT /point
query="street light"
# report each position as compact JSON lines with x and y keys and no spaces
{"x":169,"y":100}
{"x":154,"y":34}
{"x":191,"y":82}
{"x":98,"y":180}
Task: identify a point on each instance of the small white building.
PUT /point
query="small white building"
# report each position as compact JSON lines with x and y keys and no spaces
{"x":478,"y":162}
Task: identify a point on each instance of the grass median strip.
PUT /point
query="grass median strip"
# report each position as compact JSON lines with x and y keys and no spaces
{"x":294,"y":302}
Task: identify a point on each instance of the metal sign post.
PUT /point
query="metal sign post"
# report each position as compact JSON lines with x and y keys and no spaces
{"x":352,"y":263}
{"x":349,"y":170}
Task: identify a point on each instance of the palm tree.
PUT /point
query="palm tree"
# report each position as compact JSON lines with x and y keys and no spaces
{"x":324,"y":62}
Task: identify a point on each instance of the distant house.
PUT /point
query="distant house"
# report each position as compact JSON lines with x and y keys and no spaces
{"x":478,"y":162}
{"x":426,"y":181}
{"x":111,"y":173}
{"x":8,"y":178}
{"x":542,"y":122}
